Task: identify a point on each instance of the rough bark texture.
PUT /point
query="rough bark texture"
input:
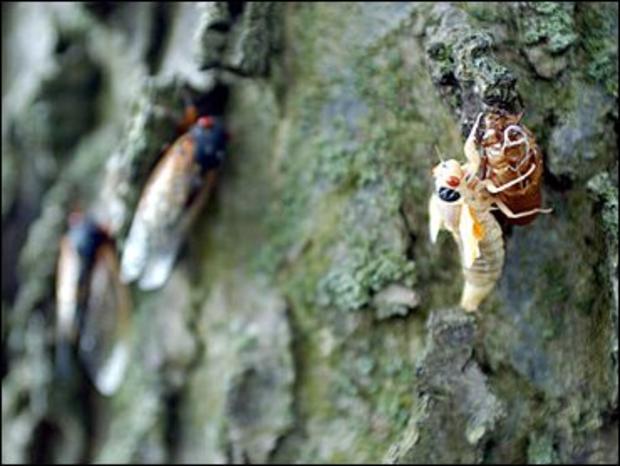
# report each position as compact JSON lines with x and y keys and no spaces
{"x":308,"y":318}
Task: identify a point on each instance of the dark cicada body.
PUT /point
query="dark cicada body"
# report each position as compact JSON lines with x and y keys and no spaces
{"x":170,"y":201}
{"x":92,"y":305}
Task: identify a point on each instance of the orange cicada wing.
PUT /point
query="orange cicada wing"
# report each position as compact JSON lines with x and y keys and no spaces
{"x":67,"y":289}
{"x":161,"y":207}
{"x":67,"y":304}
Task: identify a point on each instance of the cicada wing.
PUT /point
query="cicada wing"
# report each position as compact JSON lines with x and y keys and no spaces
{"x":155,"y":224}
{"x":470,"y":233}
{"x":161,"y":261}
{"x":471,"y":148}
{"x":165,"y":245}
{"x":67,"y":306}
{"x":135,"y":251}
{"x":67,"y":289}
{"x":435,"y":218}
{"x":104,"y":332}
{"x":154,"y":211}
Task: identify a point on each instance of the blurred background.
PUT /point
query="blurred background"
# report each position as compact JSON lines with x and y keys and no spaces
{"x":308,"y":318}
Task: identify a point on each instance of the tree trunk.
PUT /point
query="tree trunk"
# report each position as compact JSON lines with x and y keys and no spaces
{"x":308,"y":317}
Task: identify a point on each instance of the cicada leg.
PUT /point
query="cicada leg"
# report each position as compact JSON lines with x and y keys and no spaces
{"x":524,"y":140}
{"x":518,"y":141}
{"x":509,"y":213}
{"x":470,"y":149}
{"x":488,"y":184}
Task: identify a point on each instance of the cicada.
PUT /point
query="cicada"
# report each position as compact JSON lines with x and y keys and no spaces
{"x":173,"y":196}
{"x":462,"y":204}
{"x":92,"y":305}
{"x":509,"y":152}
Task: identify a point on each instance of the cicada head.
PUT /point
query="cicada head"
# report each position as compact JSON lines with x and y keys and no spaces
{"x":448,"y":174}
{"x":448,"y":177}
{"x":210,"y":140}
{"x":85,"y":236}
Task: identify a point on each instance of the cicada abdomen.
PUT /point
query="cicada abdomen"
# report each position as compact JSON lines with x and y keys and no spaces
{"x":510,"y":151}
{"x":481,"y":276}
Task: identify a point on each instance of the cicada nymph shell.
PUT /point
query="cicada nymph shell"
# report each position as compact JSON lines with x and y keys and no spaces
{"x":171,"y":200}
{"x":92,"y":305}
{"x":509,"y":151}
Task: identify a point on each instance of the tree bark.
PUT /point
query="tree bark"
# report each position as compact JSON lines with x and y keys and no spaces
{"x":308,"y":317}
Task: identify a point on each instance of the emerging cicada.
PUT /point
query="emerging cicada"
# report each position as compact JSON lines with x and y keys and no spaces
{"x":509,"y":151}
{"x":462,"y":204}
{"x":92,"y":305}
{"x":170,"y":201}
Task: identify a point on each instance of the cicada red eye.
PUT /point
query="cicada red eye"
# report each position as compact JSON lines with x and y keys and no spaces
{"x":206,"y":121}
{"x":453,"y":181}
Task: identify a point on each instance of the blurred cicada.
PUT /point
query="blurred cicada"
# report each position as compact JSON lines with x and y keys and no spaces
{"x":170,"y":201}
{"x":92,"y":305}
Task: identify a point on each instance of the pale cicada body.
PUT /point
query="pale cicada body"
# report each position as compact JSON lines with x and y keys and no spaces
{"x":92,"y":305}
{"x":462,"y":204}
{"x":481,"y":276}
{"x":459,"y":206}
{"x":509,"y":151}
{"x":171,"y":200}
